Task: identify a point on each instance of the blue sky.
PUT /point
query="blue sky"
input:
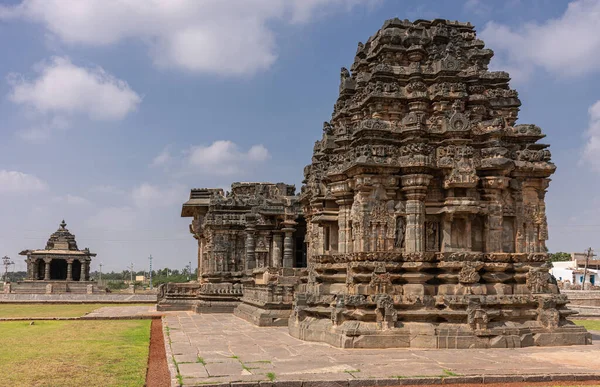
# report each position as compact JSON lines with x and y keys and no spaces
{"x":111,"y":110}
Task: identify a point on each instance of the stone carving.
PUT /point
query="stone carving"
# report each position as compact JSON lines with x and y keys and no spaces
{"x":469,"y":273}
{"x":381,"y":283}
{"x":387,"y":315}
{"x":478,"y":318}
{"x":432,"y":236}
{"x":400,"y":230}
{"x":538,"y":280}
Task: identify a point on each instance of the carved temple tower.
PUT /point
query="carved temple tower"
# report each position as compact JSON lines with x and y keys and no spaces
{"x":424,"y":204}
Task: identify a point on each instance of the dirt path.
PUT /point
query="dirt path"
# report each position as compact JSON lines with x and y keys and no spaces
{"x":158,"y":370}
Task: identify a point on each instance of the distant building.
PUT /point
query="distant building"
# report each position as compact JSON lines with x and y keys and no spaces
{"x":573,"y":271}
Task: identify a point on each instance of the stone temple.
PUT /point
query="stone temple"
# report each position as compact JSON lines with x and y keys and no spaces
{"x":255,"y":230}
{"x":58,"y":268}
{"x":423,"y":207}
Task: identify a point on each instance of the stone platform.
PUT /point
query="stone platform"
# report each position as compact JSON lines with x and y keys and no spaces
{"x":221,"y":348}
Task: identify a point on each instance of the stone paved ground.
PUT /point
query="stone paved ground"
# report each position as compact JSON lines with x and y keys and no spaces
{"x":223,"y":348}
{"x":124,"y":312}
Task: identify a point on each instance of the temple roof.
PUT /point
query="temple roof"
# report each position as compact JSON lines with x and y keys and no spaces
{"x":62,"y":242}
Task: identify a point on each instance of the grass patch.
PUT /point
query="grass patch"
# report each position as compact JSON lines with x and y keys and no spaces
{"x":74,"y":353}
{"x":51,"y":310}
{"x":271,"y":376}
{"x":593,"y":325}
{"x":201,"y":361}
{"x":450,"y":373}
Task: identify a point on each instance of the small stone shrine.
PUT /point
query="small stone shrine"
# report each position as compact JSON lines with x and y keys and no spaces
{"x":424,"y":203}
{"x":60,"y":267}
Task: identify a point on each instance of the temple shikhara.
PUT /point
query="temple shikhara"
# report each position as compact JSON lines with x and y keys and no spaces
{"x":58,"y":268}
{"x":421,"y":220}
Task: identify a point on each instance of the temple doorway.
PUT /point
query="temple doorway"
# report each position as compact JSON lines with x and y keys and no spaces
{"x":41,"y":267}
{"x":58,"y":269}
{"x":76,"y":272}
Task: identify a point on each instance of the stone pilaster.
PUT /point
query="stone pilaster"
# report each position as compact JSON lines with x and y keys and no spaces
{"x":415,"y":190}
{"x":492,"y":188}
{"x":276,"y":256}
{"x":250,"y":242}
{"x":288,"y":246}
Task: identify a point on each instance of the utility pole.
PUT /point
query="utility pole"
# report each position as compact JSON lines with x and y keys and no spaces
{"x":190,"y":262}
{"x":131,"y":272}
{"x":588,"y":255}
{"x":150,"y":258}
{"x":6,"y":262}
{"x":100,"y":272}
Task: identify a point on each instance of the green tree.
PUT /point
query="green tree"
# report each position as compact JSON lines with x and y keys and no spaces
{"x":560,"y":256}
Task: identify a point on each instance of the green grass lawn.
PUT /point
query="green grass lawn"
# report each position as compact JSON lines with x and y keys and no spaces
{"x":51,"y":310}
{"x":593,"y":325}
{"x":74,"y":353}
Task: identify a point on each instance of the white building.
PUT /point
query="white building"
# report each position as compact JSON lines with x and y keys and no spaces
{"x":572,"y":271}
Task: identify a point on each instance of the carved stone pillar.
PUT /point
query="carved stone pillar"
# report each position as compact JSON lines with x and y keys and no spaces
{"x":34,"y":269}
{"x":29,"y":268}
{"x":47,"y":269}
{"x":200,"y":256}
{"x":492,"y":188}
{"x":83,"y":270}
{"x":288,"y":246}
{"x":276,"y":257}
{"x":415,"y":190}
{"x":69,"y":269}
{"x":250,"y":245}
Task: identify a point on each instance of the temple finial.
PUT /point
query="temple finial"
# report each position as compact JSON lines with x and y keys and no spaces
{"x":63,"y":224}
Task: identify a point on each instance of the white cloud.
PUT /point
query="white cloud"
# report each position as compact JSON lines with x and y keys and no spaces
{"x":591,"y":153}
{"x":65,"y":89}
{"x":113,"y":218}
{"x":225,"y":157}
{"x":43,"y":131}
{"x":232,"y":37}
{"x":72,"y":200}
{"x":13,"y":182}
{"x":107,"y":189}
{"x":566,"y":46}
{"x":163,"y":158}
{"x":150,"y":196}
{"x":478,"y":7}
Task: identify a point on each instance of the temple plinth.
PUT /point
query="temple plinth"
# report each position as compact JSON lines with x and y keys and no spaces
{"x":424,"y":204}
